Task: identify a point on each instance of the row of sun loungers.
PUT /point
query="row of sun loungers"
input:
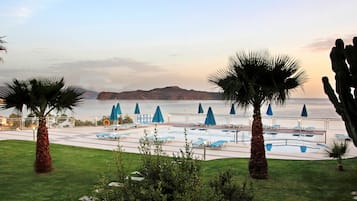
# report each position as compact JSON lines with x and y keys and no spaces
{"x":110,"y":136}
{"x":274,"y":126}
{"x":202,"y":142}
{"x":160,"y":139}
{"x":309,"y":128}
{"x":218,"y":144}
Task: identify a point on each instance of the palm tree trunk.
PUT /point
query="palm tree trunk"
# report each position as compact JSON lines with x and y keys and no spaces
{"x":258,"y":165}
{"x":339,"y":164}
{"x":43,"y":161}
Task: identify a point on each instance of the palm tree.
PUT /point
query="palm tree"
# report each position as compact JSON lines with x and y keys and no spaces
{"x":338,"y":150}
{"x":41,"y":97}
{"x":2,"y":48}
{"x":256,"y":78}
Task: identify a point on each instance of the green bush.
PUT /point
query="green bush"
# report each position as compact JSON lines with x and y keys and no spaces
{"x":14,"y":120}
{"x":226,"y":189}
{"x":78,"y":122}
{"x":127,"y":120}
{"x":338,"y":150}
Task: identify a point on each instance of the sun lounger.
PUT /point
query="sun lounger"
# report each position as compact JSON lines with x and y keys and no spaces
{"x":275,"y":126}
{"x":298,"y":128}
{"x":162,"y":139}
{"x":114,"y":136}
{"x":102,"y":135}
{"x":218,"y":144}
{"x":110,"y":135}
{"x":342,"y":137}
{"x":199,"y":143}
{"x":309,"y":128}
{"x":165,"y":138}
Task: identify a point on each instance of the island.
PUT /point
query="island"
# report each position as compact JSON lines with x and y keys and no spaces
{"x":166,"y":93}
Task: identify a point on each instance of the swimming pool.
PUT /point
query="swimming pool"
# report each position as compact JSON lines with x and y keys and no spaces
{"x":280,"y":142}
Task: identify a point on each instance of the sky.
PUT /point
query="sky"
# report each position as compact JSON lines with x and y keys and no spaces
{"x":145,"y":44}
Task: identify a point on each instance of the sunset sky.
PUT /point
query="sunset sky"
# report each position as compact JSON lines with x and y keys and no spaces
{"x":128,"y":45}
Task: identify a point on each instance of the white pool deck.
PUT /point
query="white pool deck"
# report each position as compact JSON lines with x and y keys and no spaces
{"x":86,"y":137}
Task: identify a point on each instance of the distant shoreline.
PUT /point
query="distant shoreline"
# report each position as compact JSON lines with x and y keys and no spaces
{"x":166,"y":93}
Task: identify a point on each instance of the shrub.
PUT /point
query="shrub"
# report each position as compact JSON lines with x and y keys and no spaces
{"x":337,"y":151}
{"x":225,"y":188}
{"x":14,"y":120}
{"x":127,"y":120}
{"x":78,"y":122}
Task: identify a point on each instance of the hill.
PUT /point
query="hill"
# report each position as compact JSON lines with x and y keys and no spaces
{"x":166,"y":93}
{"x":87,"y":94}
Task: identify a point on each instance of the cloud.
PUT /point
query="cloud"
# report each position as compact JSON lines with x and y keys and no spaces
{"x":113,"y":74}
{"x":327,"y":43}
{"x":111,"y":63}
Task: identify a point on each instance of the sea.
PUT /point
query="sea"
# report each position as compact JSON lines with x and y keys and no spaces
{"x":321,"y":113}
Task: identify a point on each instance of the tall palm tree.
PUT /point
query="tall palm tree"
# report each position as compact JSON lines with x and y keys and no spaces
{"x":256,"y":78}
{"x":2,"y":48}
{"x":41,"y":97}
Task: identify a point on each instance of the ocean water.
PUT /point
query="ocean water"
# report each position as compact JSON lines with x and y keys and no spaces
{"x":317,"y":108}
{"x":320,"y":111}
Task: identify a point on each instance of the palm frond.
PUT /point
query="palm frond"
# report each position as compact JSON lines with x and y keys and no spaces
{"x":40,"y":96}
{"x":15,"y":95}
{"x":257,"y":77}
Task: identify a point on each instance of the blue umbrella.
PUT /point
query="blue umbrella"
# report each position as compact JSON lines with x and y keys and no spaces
{"x":113,"y":114}
{"x":137,"y":109}
{"x":200,"y":109}
{"x":233,"y":111}
{"x":158,"y":118}
{"x":304,"y":111}
{"x":210,"y":121}
{"x":303,"y":114}
{"x":269,"y":111}
{"x":118,"y":109}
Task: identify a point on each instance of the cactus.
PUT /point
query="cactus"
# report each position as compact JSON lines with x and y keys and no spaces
{"x":344,"y":64}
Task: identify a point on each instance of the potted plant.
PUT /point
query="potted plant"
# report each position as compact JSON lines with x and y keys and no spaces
{"x":337,"y":150}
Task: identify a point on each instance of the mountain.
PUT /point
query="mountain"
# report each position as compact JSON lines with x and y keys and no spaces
{"x":87,"y":94}
{"x":166,"y":93}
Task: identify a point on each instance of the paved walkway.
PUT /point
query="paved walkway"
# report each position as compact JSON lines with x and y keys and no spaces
{"x":86,"y":137}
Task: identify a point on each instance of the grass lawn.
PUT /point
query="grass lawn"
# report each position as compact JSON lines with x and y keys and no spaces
{"x":77,"y":170}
